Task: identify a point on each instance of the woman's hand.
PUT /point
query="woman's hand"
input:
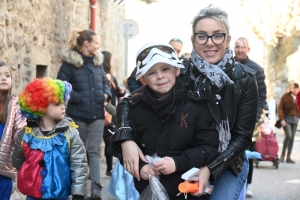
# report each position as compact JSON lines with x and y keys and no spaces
{"x":122,"y":90}
{"x":283,"y":123}
{"x":146,"y":170}
{"x":105,"y":97}
{"x":108,"y":76}
{"x":203,"y":181}
{"x":131,"y":154}
{"x":166,"y":166}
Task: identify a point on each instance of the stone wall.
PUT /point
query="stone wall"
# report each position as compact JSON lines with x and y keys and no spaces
{"x":109,"y":16}
{"x":34,"y":32}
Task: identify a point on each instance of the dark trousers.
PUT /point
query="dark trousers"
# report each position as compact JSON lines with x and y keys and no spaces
{"x":288,"y":142}
{"x":108,"y":155}
{"x":250,"y":173}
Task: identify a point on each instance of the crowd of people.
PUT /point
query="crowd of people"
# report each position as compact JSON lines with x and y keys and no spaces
{"x":201,"y":110}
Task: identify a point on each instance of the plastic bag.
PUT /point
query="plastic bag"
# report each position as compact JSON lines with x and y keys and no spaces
{"x":121,"y":185}
{"x":267,"y":128}
{"x":155,"y":190}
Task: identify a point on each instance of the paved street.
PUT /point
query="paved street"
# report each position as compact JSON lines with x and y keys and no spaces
{"x":278,"y":184}
{"x":268,"y":183}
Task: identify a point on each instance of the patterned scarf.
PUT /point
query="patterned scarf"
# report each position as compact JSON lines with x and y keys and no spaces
{"x":214,"y":73}
{"x":217,"y":77}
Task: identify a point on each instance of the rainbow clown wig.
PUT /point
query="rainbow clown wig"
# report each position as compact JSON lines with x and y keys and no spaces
{"x":39,"y":93}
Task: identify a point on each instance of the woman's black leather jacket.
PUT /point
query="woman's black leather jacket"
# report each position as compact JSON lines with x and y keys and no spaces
{"x":241,"y":101}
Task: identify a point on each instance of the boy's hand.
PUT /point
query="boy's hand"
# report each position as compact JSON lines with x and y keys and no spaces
{"x":146,"y":170}
{"x":166,"y":166}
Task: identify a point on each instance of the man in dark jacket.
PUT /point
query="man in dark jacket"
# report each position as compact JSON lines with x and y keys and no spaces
{"x":241,"y":50}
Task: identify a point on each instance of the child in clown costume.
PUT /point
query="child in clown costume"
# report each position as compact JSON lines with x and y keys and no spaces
{"x":49,"y":153}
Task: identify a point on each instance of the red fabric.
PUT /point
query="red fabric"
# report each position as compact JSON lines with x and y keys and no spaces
{"x":298,"y":100}
{"x":29,"y":178}
{"x":267,"y":147}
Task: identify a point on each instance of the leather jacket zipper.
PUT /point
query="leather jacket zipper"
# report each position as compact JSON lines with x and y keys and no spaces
{"x":225,"y":159}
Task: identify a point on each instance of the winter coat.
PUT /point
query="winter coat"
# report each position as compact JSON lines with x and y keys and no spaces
{"x":115,"y":95}
{"x":132,"y":83}
{"x":52,"y":166}
{"x":14,"y":124}
{"x":87,"y":77}
{"x":298,"y":100}
{"x":240,"y":100}
{"x":287,"y":106}
{"x":261,"y":86}
{"x":177,"y":126}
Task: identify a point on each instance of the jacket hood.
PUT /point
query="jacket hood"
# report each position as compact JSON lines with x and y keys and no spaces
{"x":75,"y":58}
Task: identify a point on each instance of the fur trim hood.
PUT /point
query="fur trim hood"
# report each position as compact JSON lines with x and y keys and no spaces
{"x":76,"y":59}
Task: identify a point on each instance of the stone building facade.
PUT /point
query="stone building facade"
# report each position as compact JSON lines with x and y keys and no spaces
{"x":33,"y":33}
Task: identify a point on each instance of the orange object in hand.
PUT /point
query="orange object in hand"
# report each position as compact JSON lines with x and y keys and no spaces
{"x":186,"y":187}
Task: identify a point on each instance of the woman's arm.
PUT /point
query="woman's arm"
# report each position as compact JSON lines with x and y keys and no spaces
{"x":119,"y":90}
{"x":280,"y":108}
{"x":19,"y":120}
{"x":65,"y":74}
{"x":18,"y":157}
{"x":122,"y":144}
{"x":241,"y":135}
{"x":106,"y":89}
{"x":242,"y":128}
{"x":298,"y":100}
{"x":111,"y":109}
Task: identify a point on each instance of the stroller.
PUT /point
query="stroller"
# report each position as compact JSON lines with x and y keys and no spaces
{"x":268,"y":145}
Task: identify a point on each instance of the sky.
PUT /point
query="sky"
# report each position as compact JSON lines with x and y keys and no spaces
{"x":167,"y":19}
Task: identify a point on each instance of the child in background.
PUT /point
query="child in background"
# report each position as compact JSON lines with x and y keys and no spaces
{"x":11,"y":122}
{"x":174,"y":124}
{"x":49,"y":152}
{"x":117,"y":93}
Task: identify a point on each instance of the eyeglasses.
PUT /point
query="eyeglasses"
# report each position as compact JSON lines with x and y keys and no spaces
{"x":217,"y":38}
{"x":176,"y":40}
{"x":145,"y":52}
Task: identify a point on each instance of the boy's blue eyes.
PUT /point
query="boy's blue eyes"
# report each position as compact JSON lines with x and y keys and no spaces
{"x":164,"y":69}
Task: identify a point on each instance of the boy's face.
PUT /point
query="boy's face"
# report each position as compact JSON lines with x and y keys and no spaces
{"x":161,"y":78}
{"x":56,"y":111}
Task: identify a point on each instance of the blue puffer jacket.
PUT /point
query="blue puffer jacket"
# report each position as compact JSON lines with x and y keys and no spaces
{"x":87,"y":77}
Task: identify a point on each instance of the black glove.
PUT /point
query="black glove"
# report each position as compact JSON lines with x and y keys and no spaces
{"x":78,"y":197}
